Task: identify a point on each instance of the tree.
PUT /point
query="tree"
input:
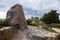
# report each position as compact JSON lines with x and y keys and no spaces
{"x":50,"y":17}
{"x":29,"y":21}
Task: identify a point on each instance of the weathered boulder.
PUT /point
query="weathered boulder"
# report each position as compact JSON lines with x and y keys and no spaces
{"x":37,"y":38}
{"x":39,"y":33}
{"x":58,"y":37}
{"x":9,"y":33}
{"x":42,"y":38}
{"x":15,"y":17}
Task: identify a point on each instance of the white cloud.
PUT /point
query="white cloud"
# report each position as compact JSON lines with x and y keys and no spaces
{"x":34,"y":4}
{"x":2,"y":15}
{"x":41,"y":6}
{"x":28,"y":16}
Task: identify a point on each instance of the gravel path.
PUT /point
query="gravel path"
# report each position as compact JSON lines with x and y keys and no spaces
{"x":56,"y":29}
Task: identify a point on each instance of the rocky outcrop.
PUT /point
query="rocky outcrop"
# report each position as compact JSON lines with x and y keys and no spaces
{"x":17,"y":28}
{"x":39,"y":33}
{"x":42,"y":38}
{"x":15,"y":17}
{"x":16,"y":22}
{"x":9,"y":33}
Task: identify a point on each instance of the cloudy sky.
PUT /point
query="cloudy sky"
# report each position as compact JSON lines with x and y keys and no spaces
{"x":34,"y":8}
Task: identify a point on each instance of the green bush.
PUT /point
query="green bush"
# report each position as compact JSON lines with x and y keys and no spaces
{"x":2,"y":23}
{"x":33,"y":21}
{"x":29,"y":22}
{"x":33,"y":24}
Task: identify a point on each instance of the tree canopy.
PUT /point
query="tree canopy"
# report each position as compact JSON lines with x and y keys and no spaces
{"x":50,"y":17}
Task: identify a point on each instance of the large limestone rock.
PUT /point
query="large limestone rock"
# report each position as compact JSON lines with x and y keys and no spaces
{"x":15,"y":17}
{"x":39,"y":33}
{"x":9,"y":33}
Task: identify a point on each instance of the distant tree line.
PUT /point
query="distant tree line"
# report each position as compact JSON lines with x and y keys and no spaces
{"x":51,"y":17}
{"x":47,"y":18}
{"x":3,"y":23}
{"x":34,"y":21}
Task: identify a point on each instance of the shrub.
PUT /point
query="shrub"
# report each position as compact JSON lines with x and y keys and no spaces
{"x":3,"y":23}
{"x":33,"y":22}
{"x":29,"y":22}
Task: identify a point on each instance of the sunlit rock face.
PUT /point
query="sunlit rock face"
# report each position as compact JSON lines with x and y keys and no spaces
{"x":42,"y":38}
{"x":15,"y":17}
{"x":39,"y":33}
{"x":9,"y":33}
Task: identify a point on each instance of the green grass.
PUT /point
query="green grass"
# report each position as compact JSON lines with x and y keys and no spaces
{"x":34,"y":24}
{"x":55,"y":25}
{"x":2,"y":23}
{"x":50,"y":29}
{"x":50,"y":26}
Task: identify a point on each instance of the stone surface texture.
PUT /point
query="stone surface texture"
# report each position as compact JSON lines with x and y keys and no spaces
{"x":15,"y":17}
{"x":17,"y":26}
{"x":9,"y":33}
